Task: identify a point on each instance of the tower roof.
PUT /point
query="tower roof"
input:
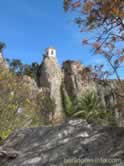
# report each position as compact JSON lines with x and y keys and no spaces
{"x":50,"y":48}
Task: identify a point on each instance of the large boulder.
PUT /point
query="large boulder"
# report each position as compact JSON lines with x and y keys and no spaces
{"x":56,"y":146}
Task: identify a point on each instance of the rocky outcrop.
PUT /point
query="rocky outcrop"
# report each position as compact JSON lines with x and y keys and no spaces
{"x":73,"y":79}
{"x":58,"y":146}
{"x":76,"y":79}
{"x":31,"y":85}
{"x":3,"y":63}
{"x":50,"y":76}
{"x":106,"y":92}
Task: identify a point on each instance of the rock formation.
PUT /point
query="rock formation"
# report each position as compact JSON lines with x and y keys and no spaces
{"x":106,"y":92}
{"x":50,"y":76}
{"x":32,"y":85}
{"x":73,"y":141}
{"x":75,"y":79}
{"x":3,"y":63}
{"x":58,"y":146}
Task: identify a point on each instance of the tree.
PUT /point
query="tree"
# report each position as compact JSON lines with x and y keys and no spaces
{"x":2,"y":46}
{"x":106,"y":20}
{"x":31,"y":70}
{"x":16,"y":66}
{"x":21,"y":69}
{"x":34,"y":67}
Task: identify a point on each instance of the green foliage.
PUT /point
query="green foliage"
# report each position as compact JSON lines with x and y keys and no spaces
{"x":31,"y":70}
{"x":5,"y":133}
{"x":2,"y":46}
{"x":67,"y":103}
{"x":18,"y":108}
{"x":16,"y":66}
{"x":15,"y":95}
{"x":90,"y":108}
{"x":45,"y":109}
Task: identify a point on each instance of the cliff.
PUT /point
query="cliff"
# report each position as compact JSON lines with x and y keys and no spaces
{"x":74,"y":80}
{"x":65,"y":140}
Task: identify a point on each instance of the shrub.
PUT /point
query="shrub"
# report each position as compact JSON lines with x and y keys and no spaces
{"x":14,"y":96}
{"x":68,"y":104}
{"x":90,"y":108}
{"x":45,"y":109}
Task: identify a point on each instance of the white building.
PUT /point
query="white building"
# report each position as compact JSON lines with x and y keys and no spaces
{"x":51,"y":52}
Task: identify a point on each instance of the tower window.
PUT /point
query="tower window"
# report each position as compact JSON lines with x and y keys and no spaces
{"x":52,"y":52}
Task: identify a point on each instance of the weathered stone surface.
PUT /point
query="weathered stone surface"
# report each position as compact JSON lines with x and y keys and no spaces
{"x":106,"y":92}
{"x":50,"y":76}
{"x":32,"y":85}
{"x":3,"y":63}
{"x":50,"y":146}
{"x":75,"y":80}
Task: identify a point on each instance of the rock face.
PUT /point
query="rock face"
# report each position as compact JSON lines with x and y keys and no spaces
{"x":54,"y":146}
{"x":74,"y":78}
{"x":105,"y":91}
{"x":3,"y":63}
{"x":77,"y":81}
{"x":32,"y":85}
{"x":50,"y":76}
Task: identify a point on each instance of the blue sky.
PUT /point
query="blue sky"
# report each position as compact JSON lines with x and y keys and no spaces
{"x":30,"y":26}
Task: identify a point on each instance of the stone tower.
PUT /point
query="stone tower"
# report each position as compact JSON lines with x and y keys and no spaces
{"x":50,"y":77}
{"x":51,"y":52}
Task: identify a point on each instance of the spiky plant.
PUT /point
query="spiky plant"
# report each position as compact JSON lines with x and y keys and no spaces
{"x":90,"y":108}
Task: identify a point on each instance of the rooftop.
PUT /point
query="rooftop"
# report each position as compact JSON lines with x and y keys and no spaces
{"x":50,"y":48}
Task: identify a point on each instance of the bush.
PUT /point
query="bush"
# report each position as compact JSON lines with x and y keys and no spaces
{"x":90,"y":108}
{"x":68,"y":104}
{"x":14,"y":97}
{"x":45,"y":109}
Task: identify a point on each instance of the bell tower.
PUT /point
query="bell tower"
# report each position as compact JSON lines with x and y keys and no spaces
{"x":51,"y":52}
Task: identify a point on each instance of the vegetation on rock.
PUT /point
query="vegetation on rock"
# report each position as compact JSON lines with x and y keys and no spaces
{"x":23,"y":104}
{"x":18,"y":108}
{"x":89,"y":107}
{"x":21,"y":69}
{"x":45,"y":109}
